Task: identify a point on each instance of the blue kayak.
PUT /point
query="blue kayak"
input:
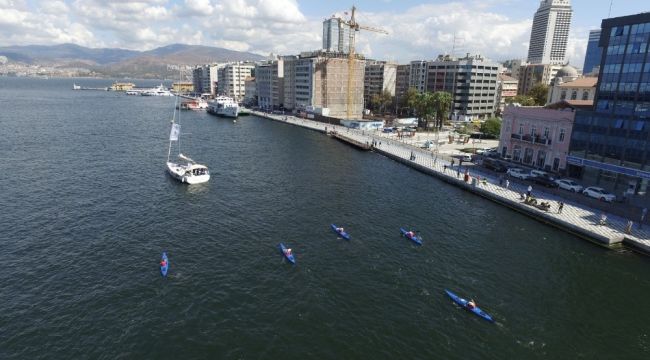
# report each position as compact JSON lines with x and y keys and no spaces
{"x":342,"y":234}
{"x":463,"y":303}
{"x":416,"y":239}
{"x":286,"y":254}
{"x":165,"y":267}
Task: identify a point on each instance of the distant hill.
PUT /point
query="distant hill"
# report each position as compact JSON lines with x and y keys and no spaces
{"x":124,"y":63}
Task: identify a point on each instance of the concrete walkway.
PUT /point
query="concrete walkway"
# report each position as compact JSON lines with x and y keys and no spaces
{"x":574,"y":218}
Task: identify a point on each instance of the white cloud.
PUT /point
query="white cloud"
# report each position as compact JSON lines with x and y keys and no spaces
{"x":265,"y":26}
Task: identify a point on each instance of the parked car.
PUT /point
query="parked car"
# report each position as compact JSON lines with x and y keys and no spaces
{"x":599,"y":193}
{"x":568,"y":184}
{"x":518,"y":173}
{"x":544,"y":180}
{"x":491,"y":153}
{"x":494,"y":165}
{"x":464,"y":157}
{"x":536,"y":173}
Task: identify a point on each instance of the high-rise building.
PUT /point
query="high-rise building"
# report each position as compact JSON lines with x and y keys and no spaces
{"x":471,"y":80}
{"x":336,"y":35}
{"x":379,"y":76}
{"x":610,"y":144}
{"x":593,"y":54}
{"x":319,"y":83}
{"x":401,"y":85}
{"x":269,"y":80}
{"x":232,"y":79}
{"x":418,"y":75}
{"x":533,"y":74}
{"x":550,"y":32}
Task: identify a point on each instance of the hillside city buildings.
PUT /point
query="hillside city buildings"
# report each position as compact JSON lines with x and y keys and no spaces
{"x":550,"y":32}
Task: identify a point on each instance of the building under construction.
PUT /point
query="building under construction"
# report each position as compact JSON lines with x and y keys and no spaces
{"x":318,"y":82}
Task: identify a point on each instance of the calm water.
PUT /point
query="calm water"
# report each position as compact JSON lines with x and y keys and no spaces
{"x":87,"y":209}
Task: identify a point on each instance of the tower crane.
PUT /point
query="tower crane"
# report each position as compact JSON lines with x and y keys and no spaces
{"x":354,"y":27}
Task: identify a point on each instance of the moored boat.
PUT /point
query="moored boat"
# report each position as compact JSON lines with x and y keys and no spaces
{"x":223,"y":106}
{"x":411,"y":236}
{"x":340,"y":231}
{"x":464,"y":304}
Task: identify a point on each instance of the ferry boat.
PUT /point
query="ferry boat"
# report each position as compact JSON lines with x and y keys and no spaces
{"x":197,"y":104}
{"x":223,"y":106}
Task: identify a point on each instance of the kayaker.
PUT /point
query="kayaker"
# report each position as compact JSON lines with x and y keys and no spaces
{"x":339,"y":229}
{"x":288,"y":251}
{"x":163,"y":262}
{"x":471,"y":304}
{"x":410,"y":233}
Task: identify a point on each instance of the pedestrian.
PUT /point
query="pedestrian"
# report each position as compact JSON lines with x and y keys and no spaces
{"x":560,"y":206}
{"x":445,"y":167}
{"x":507,"y":184}
{"x":466,"y":177}
{"x":628,"y":227}
{"x":452,"y":163}
{"x":644,"y":212}
{"x":458,"y":172}
{"x":530,"y":190}
{"x":603,"y":219}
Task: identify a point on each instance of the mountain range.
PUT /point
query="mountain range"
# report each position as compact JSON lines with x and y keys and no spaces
{"x":123,"y":63}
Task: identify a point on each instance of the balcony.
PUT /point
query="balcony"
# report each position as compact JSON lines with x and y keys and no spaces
{"x":532,"y":139}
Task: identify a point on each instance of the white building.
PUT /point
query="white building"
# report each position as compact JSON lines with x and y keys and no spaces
{"x":336,"y":35}
{"x":550,"y":32}
{"x":232,"y":79}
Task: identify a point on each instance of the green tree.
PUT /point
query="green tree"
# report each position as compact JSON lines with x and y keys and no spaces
{"x":425,"y":108}
{"x":442,"y":103}
{"x":491,"y":127}
{"x":410,"y":100}
{"x":539,"y":93}
{"x":522,"y":100}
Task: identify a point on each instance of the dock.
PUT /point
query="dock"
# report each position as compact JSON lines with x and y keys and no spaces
{"x":576,"y":219}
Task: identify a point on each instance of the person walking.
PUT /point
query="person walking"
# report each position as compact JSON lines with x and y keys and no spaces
{"x":560,"y":206}
{"x":644,"y":212}
{"x":603,"y":219}
{"x":530,"y":190}
{"x":628,"y":227}
{"x":445,"y":167}
{"x":507,"y":184}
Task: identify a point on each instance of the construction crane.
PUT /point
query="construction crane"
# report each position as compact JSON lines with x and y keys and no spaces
{"x":354,"y":27}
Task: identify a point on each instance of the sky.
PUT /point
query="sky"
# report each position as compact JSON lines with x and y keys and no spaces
{"x":417,"y":30}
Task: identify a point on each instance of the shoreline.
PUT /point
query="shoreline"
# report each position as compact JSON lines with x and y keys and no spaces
{"x":575,"y":219}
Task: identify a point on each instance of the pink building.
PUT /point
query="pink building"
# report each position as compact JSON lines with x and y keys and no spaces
{"x":537,"y":136}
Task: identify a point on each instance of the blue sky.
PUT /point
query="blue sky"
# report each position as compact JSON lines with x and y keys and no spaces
{"x":498,"y":29}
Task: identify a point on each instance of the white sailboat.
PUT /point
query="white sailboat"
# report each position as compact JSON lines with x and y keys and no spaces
{"x":184,"y":169}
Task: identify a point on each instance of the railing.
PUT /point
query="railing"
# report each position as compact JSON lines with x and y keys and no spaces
{"x":532,"y":139}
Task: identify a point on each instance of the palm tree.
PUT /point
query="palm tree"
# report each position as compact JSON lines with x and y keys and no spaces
{"x":442,"y":103}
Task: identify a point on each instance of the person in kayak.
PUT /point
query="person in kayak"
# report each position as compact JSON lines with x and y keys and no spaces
{"x":471,"y":304}
{"x":288,"y":251}
{"x":410,"y":234}
{"x":339,"y":229}
{"x":163,"y":262}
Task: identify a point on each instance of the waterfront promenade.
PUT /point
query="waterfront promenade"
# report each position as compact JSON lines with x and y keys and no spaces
{"x":575,"y":218}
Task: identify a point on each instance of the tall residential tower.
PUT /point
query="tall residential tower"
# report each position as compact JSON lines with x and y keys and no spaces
{"x":550,"y":33}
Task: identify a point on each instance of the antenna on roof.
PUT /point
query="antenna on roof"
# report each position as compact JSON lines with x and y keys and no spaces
{"x":610,"y":8}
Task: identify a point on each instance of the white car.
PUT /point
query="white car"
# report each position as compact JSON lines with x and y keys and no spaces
{"x":539,"y":173}
{"x":568,"y":184}
{"x":599,"y":193}
{"x":518,"y":173}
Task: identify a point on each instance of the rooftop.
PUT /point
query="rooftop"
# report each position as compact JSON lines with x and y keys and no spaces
{"x":581,"y":82}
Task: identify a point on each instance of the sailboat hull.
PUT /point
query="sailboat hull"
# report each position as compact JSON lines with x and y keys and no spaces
{"x":183,"y":173}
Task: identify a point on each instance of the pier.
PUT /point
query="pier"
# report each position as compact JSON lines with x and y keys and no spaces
{"x":576,"y":219}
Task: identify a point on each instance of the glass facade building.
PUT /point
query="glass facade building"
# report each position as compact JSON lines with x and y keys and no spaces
{"x":610,"y":145}
{"x":594,"y":52}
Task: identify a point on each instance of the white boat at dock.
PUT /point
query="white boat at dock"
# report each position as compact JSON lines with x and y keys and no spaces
{"x":223,"y":106}
{"x":194,"y":104}
{"x":159,"y":90}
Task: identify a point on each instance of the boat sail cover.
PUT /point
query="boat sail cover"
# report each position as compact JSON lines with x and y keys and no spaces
{"x":185,"y":158}
{"x":173,"y":135}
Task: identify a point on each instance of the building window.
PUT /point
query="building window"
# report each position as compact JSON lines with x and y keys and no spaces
{"x":574,"y":95}
{"x":541,"y":158}
{"x":528,"y":156}
{"x":563,"y":95}
{"x":532,"y":131}
{"x":516,"y":153}
{"x":546,"y":132}
{"x":556,"y":164}
{"x":585,"y":95}
{"x":521,"y":129}
{"x":561,"y":139}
